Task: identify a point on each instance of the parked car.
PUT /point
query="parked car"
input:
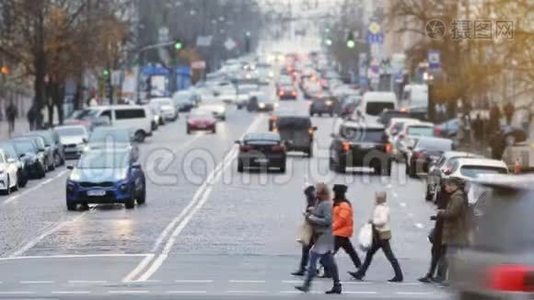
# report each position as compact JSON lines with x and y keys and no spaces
{"x":8,"y":173}
{"x":11,"y":153}
{"x":437,"y":171}
{"x":262,"y":151}
{"x":471,"y":168}
{"x":48,"y":152}
{"x":167,"y":108}
{"x":200,"y":119}
{"x":31,"y":156}
{"x":244,"y":92}
{"x":52,"y":140}
{"x":425,"y":151}
{"x":448,"y":129}
{"x":217,"y":109}
{"x":73,"y":138}
{"x":296,"y":132}
{"x":323,"y":105}
{"x":361,"y":145}
{"x":183,"y":101}
{"x":519,"y":157}
{"x":106,"y":176}
{"x":387,"y":115}
{"x":498,"y":264}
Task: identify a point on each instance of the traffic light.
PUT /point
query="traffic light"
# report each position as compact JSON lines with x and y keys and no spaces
{"x":105,"y":73}
{"x":4,"y":70}
{"x":178,"y":45}
{"x":328,"y":42}
{"x":350,"y":41}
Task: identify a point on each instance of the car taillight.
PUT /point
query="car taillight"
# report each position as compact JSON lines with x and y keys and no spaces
{"x":245,"y":148}
{"x":346,"y":147}
{"x":437,"y":131}
{"x":389,"y":148}
{"x":281,"y":93}
{"x":278,"y":148}
{"x":311,"y":131}
{"x":418,"y":155}
{"x":293,"y":93}
{"x":511,"y":278}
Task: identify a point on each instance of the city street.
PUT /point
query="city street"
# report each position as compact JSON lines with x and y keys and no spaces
{"x":206,"y":229}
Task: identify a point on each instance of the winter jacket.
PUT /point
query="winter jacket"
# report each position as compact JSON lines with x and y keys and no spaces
{"x":321,"y":221}
{"x":343,"y":223}
{"x":455,"y":222}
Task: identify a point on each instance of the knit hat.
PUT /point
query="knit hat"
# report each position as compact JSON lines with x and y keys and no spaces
{"x":340,"y":189}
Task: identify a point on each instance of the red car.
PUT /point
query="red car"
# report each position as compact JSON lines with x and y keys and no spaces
{"x":201,"y":120}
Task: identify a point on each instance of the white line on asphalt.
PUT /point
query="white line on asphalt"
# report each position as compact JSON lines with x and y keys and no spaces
{"x":419,"y":225}
{"x":360,"y":292}
{"x":403,"y":204}
{"x":192,"y":281}
{"x":36,"y":282}
{"x":87,"y":281}
{"x":246,"y":281}
{"x":47,"y":181}
{"x":36,"y":240}
{"x":292,"y":281}
{"x":75,"y":256}
{"x":186,"y":292}
{"x":245,"y":292}
{"x":198,"y":201}
{"x":129,"y":292}
{"x":71,"y":292}
{"x":395,"y":195}
{"x":139,"y":268}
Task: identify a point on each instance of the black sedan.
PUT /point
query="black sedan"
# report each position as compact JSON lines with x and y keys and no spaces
{"x":52,"y":141}
{"x":425,"y":151}
{"x":261,"y":103}
{"x":323,"y":105}
{"x":261,"y":151}
{"x":32,"y":158}
{"x":361,"y":145}
{"x":47,"y":151}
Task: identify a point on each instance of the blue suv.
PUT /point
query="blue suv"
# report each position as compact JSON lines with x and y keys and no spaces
{"x":106,"y":176}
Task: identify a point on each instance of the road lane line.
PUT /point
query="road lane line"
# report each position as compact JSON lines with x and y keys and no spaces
{"x":128,"y":292}
{"x":419,"y":225}
{"x":246,"y":281}
{"x":186,"y":292}
{"x":192,"y":281}
{"x":43,"y":235}
{"x":140,"y":267}
{"x":36,"y":282}
{"x":74,"y":256}
{"x":403,"y":204}
{"x":87,"y":282}
{"x":17,"y":293}
{"x":360,"y":292}
{"x":414,"y":293}
{"x":71,"y":292}
{"x":198,"y":201}
{"x":245,"y":292}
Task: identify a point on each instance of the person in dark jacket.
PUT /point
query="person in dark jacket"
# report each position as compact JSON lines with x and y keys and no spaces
{"x":509,"y":110}
{"x":435,"y":238}
{"x":311,"y":200}
{"x":11,"y":114}
{"x":321,"y":220}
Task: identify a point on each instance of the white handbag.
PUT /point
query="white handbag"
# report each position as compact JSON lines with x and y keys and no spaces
{"x":365,"y":237}
{"x":305,"y":232}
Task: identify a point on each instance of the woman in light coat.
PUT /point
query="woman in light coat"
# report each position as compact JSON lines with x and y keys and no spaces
{"x":381,"y":237}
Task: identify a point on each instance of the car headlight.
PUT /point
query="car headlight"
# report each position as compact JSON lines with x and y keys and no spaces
{"x":329,"y":103}
{"x":75,"y":175}
{"x":261,"y":105}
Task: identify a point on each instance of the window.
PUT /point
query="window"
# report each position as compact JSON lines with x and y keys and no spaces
{"x":376,"y":108}
{"x":363,"y":134}
{"x":124,"y":114}
{"x":474,"y":171}
{"x":106,"y":113}
{"x":420,"y":130}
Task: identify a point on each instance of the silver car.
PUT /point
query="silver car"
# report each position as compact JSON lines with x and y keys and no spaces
{"x":74,"y":139}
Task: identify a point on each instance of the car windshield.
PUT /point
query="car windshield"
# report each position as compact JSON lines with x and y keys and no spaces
{"x":112,"y":136}
{"x":420,"y":130}
{"x":86,"y":114}
{"x":292,"y":123}
{"x":474,"y":171}
{"x":434,"y":144}
{"x":23,"y":147}
{"x":70,"y":131}
{"x":361,"y":134}
{"x":201,"y":113}
{"x":376,"y":108}
{"x":49,"y":140}
{"x":104,"y":160}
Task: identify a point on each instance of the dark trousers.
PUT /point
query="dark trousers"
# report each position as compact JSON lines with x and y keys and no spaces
{"x":11,"y":125}
{"x":305,"y":256}
{"x":330,"y":263}
{"x":345,"y":244}
{"x":386,"y":248}
{"x":438,"y":256}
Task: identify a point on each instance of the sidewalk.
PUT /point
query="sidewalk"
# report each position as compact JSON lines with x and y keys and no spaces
{"x":21,"y":127}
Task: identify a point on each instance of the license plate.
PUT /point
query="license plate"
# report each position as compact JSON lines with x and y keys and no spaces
{"x":96,"y":193}
{"x":262,"y":160}
{"x":201,"y":126}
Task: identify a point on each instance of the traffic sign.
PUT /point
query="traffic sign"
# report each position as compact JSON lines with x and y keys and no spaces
{"x":373,"y":38}
{"x":374,"y":28}
{"x":434,"y":60}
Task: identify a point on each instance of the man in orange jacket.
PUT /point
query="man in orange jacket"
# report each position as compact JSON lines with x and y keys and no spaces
{"x":342,"y":226}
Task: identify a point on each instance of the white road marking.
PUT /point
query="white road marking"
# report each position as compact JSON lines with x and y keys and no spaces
{"x":198,"y":201}
{"x":389,"y":186}
{"x":140,"y":267}
{"x":36,"y":240}
{"x":246,"y":281}
{"x":74,"y":256}
{"x":47,"y":181}
{"x":403,"y":204}
{"x":292,"y":281}
{"x":360,"y":292}
{"x":245,"y":292}
{"x":128,"y":292}
{"x":395,"y":195}
{"x":419,"y":225}
{"x":36,"y":282}
{"x":71,"y":292}
{"x":88,"y":281}
{"x":186,"y":292}
{"x":193,"y":281}
{"x":414,"y":293}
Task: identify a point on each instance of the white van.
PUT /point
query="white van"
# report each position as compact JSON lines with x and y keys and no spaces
{"x":373,"y":104}
{"x":415,"y":95}
{"x":134,"y":117}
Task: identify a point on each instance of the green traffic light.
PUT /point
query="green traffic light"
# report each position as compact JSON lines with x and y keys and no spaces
{"x":105,"y":73}
{"x":328,"y":42}
{"x":351,"y":44}
{"x":177,"y":45}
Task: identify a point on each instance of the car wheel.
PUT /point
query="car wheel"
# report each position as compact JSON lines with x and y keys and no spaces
{"x":283,"y":168}
{"x":16,"y":185}
{"x":71,"y":206}
{"x":129,"y":203}
{"x":140,"y":136}
{"x":161,"y":121}
{"x":42,"y":170}
{"x":22,"y":180}
{"x":57,"y":159}
{"x":8,"y":186}
{"x":240,"y":167}
{"x":141,"y":198}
